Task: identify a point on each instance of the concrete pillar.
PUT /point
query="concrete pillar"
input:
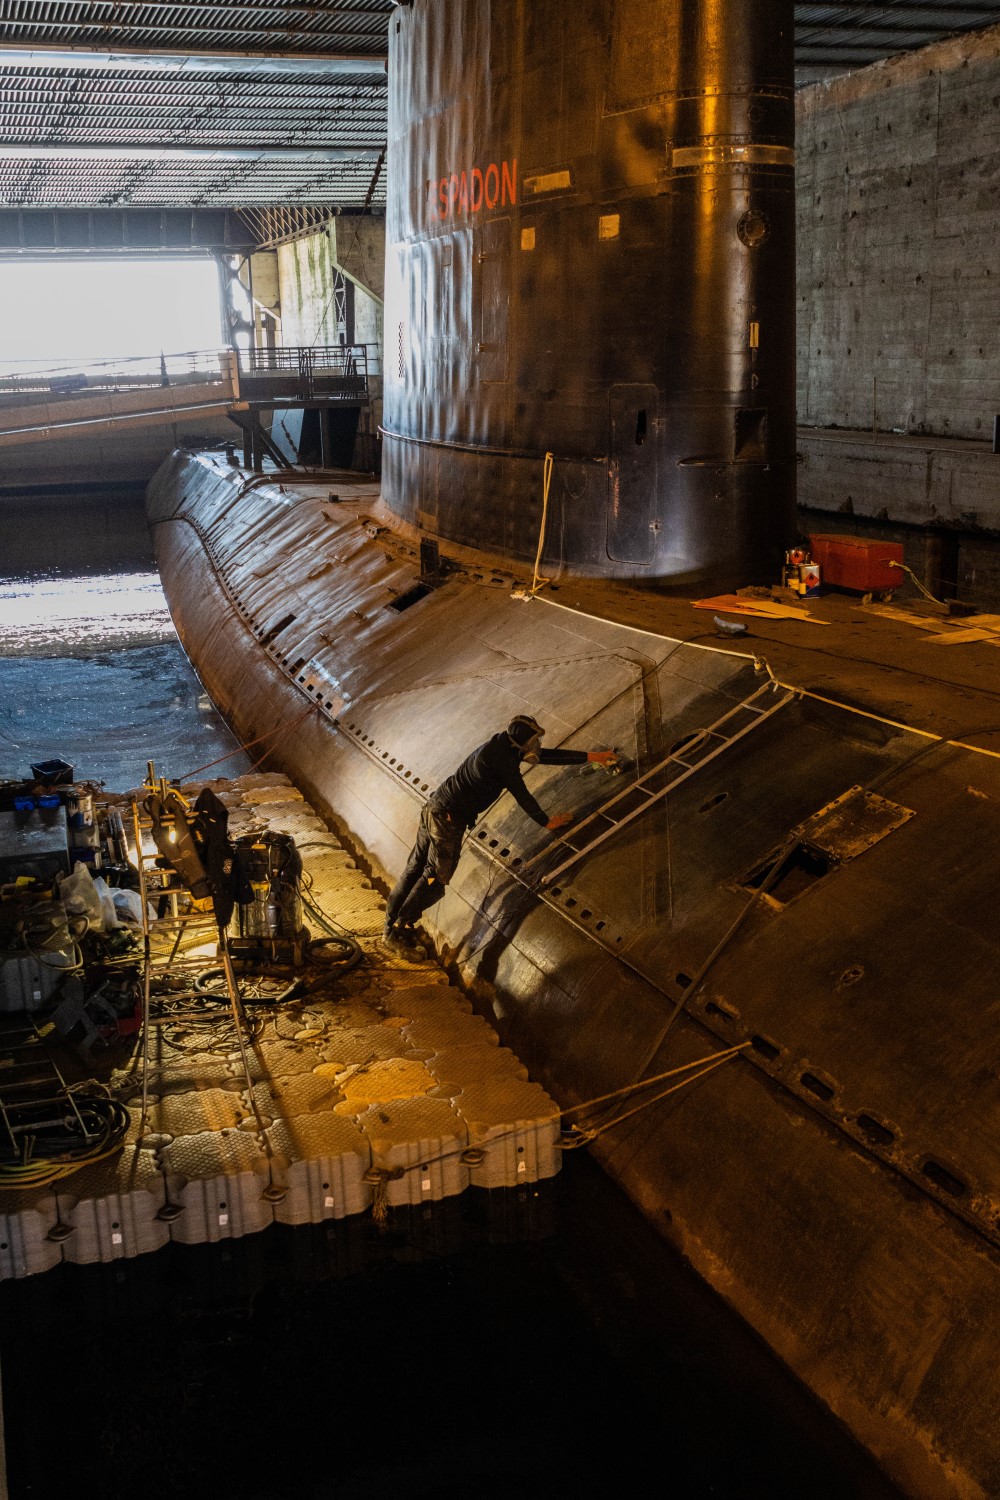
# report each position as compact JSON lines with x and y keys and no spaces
{"x":358,"y":245}
{"x":259,"y":275}
{"x":305,"y":277}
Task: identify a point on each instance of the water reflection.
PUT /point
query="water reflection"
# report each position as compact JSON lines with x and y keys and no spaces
{"x":77,"y":615}
{"x":91,"y":670}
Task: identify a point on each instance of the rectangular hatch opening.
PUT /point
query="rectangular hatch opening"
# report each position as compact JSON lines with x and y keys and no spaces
{"x":791,"y":875}
{"x":412,"y":596}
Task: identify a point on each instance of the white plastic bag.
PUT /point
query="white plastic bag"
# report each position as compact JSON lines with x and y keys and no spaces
{"x":128,"y":905}
{"x":79,"y":897}
{"x":109,"y":917}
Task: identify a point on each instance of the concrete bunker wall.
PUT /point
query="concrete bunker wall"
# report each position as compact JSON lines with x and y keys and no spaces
{"x":898,"y":199}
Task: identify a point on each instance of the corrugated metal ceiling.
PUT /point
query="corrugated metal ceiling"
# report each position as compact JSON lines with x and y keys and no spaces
{"x":846,"y":34}
{"x":239,"y":25}
{"x":262,"y":80}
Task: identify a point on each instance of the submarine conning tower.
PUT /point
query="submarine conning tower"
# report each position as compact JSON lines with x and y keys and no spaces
{"x":590,"y":252}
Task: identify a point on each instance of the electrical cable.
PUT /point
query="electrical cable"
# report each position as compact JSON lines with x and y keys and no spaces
{"x":910,"y":574}
{"x":201,"y":1017}
{"x":351,"y":953}
{"x":54,"y":1147}
{"x":214,"y":981}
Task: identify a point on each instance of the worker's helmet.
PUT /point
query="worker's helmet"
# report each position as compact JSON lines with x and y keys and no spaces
{"x":526,"y":734}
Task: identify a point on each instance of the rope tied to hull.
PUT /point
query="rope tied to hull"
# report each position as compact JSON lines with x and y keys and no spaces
{"x":474,"y":1155}
{"x":286,"y":726}
{"x":537,"y":581}
{"x":700,"y":1068}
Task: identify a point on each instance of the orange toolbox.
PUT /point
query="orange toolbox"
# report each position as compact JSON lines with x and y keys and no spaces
{"x":854,"y":562}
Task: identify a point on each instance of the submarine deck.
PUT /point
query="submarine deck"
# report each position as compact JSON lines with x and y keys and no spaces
{"x":376,"y":1088}
{"x":894,"y":660}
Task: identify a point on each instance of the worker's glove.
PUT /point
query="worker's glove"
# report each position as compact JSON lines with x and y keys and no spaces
{"x":602,"y":757}
{"x":557,"y":821}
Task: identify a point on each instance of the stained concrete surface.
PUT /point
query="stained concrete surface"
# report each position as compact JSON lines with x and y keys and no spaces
{"x":898,"y":213}
{"x":74,"y":533}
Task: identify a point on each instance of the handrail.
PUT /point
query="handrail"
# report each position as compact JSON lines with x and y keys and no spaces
{"x":128,"y":373}
{"x":309,"y":363}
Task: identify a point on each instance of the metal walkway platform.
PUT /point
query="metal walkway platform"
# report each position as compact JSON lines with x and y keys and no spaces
{"x":45,"y":405}
{"x":379,"y":1088}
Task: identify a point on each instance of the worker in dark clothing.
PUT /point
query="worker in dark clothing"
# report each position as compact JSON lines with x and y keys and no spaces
{"x":456,"y":804}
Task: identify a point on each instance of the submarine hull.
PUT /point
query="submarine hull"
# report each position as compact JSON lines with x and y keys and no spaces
{"x":590,"y":253}
{"x":836,"y":1178}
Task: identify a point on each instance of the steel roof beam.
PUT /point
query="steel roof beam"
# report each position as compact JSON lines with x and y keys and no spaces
{"x":854,"y":54}
{"x":100,"y":31}
{"x":869,"y":11}
{"x":882,"y":29}
{"x":55,"y":151}
{"x":301,"y":8}
{"x":142,"y":59}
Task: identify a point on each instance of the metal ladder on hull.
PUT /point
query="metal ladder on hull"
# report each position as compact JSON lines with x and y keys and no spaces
{"x":698,"y":750}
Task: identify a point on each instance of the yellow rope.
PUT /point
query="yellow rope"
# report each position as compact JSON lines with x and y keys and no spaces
{"x":34,"y":1176}
{"x":538,"y":582}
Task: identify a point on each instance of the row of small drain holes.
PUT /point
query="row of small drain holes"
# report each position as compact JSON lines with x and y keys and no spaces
{"x":570,"y":902}
{"x":874,"y":1132}
{"x":267,"y":638}
{"x":390,"y":760}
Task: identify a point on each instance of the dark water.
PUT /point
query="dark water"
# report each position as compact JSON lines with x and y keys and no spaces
{"x":537,"y":1343}
{"x":91,"y":671}
{"x":531,"y":1344}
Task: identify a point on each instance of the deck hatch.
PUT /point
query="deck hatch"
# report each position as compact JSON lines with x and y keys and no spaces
{"x":852,"y":823}
{"x":410,"y":597}
{"x":788,"y":874}
{"x":836,"y":834}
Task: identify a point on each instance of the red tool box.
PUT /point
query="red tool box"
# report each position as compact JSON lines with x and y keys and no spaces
{"x":854,"y":562}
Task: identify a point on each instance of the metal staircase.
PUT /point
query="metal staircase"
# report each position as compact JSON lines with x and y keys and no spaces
{"x":692,"y":753}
